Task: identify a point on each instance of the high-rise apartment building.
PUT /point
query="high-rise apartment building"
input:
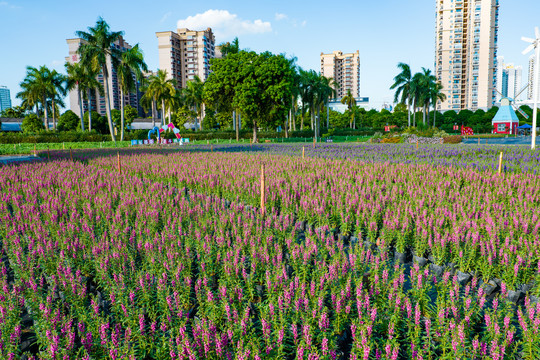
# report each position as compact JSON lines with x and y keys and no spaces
{"x":186,"y":53}
{"x":466,"y":52}
{"x":509,"y":78}
{"x":344,"y":69}
{"x":5,"y":98}
{"x":98,"y":101}
{"x":530,"y":90}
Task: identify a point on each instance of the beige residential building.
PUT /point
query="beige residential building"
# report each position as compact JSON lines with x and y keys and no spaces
{"x":186,"y":53}
{"x":97,"y":101}
{"x":344,"y":69}
{"x":466,"y":53}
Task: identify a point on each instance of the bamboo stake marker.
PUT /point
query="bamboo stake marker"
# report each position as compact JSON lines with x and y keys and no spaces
{"x":500,"y":162}
{"x":263,"y":197}
{"x":63,"y":146}
{"x":35,"y":151}
{"x":71,"y":154}
{"x":416,"y":144}
{"x":303,"y":152}
{"x":48,"y":153}
{"x":314,"y":143}
{"x":211,"y":147}
{"x":479,"y":140}
{"x":119,"y":164}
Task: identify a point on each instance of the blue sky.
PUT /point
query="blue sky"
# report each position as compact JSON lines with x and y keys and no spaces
{"x":33,"y":32}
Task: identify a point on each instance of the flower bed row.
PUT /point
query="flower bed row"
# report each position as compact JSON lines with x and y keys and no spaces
{"x":111,"y":266}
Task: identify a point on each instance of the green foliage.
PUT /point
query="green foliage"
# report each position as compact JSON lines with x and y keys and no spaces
{"x":68,"y":121}
{"x":16,"y":112}
{"x":210,"y":122}
{"x":99,"y":123}
{"x":182,"y":116}
{"x":32,"y":124}
{"x":259,"y":85}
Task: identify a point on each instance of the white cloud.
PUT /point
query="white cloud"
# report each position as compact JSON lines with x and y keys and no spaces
{"x":224,"y":24}
{"x":11,"y":6}
{"x":280,"y":16}
{"x":165,"y":17}
{"x":304,"y":23}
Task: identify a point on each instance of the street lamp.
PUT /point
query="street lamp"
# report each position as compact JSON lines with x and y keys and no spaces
{"x":535,"y":44}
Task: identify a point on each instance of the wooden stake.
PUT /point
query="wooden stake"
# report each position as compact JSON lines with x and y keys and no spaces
{"x":35,"y":151}
{"x":416,"y":144}
{"x":119,"y":164}
{"x":303,"y":152}
{"x":63,"y":146}
{"x":500,"y":162}
{"x":212,"y":148}
{"x":71,"y":154}
{"x":314,"y":143}
{"x":263,"y":198}
{"x":479,"y":140}
{"x":48,"y":153}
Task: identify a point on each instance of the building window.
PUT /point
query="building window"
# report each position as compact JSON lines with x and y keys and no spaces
{"x":501,"y":127}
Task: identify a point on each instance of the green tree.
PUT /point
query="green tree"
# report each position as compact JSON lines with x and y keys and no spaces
{"x":77,"y":76}
{"x":159,"y":89}
{"x":68,"y":121}
{"x":193,"y":95}
{"x":182,"y":116}
{"x":130,"y":67}
{"x":16,"y":112}
{"x":230,"y":47}
{"x":403,"y":86}
{"x":99,"y":123}
{"x":32,"y":124}
{"x":36,"y":88}
{"x":96,"y":49}
{"x":350,"y":101}
{"x":436,"y":95}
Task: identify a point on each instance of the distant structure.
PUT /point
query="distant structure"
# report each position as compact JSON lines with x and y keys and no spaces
{"x":509,"y":79}
{"x":466,"y":52}
{"x":186,"y":53}
{"x":530,"y":90}
{"x":97,"y":101}
{"x":344,"y":69}
{"x":5,"y":98}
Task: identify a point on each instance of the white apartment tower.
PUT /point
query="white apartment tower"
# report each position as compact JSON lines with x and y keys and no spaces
{"x":98,"y":101}
{"x":186,"y":53}
{"x":509,"y":79}
{"x":466,"y":53}
{"x":344,"y":69}
{"x":530,"y":90}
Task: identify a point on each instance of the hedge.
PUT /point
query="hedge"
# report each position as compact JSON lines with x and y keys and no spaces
{"x":78,"y":136}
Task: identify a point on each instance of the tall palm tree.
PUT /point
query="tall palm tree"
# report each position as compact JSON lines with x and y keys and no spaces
{"x":350,"y":101}
{"x":36,"y":88}
{"x":96,"y":51}
{"x":129,"y":69}
{"x":436,"y":95}
{"x":427,"y":81}
{"x":402,"y":84}
{"x":57,"y":89}
{"x":193,"y":95}
{"x":76,"y":76}
{"x":417,"y":90}
{"x":327,"y":90}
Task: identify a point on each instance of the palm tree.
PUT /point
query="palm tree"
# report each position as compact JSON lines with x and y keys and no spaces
{"x":350,"y":101}
{"x":96,"y":51}
{"x":193,"y":95}
{"x":436,"y":95}
{"x":417,"y":93}
{"x":36,"y":87}
{"x":427,"y":80}
{"x":131,"y":63}
{"x":327,"y":90}
{"x":57,"y":88}
{"x":76,"y":77}
{"x":402,"y":84}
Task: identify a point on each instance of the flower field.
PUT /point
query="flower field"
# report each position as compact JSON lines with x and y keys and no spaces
{"x":362,"y":252}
